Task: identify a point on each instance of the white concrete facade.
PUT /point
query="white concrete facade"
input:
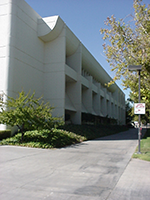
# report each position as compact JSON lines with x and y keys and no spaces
{"x":43,"y":55}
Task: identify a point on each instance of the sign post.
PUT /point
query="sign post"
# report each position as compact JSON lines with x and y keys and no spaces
{"x":139,"y":109}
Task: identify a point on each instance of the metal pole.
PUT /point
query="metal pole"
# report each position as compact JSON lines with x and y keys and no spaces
{"x":139,"y":133}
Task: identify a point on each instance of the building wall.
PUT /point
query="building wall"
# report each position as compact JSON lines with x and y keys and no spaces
{"x":26,"y":50}
{"x":44,"y":55}
{"x":5,"y":26}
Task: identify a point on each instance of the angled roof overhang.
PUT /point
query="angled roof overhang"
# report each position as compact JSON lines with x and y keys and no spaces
{"x":49,"y":28}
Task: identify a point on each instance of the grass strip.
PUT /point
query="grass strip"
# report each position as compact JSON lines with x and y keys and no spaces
{"x":145,"y":147}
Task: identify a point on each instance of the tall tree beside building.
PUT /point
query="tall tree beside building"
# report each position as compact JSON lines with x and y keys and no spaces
{"x":129,"y":44}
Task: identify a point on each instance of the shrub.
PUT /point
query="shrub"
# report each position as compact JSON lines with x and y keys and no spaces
{"x":5,"y":134}
{"x":54,"y":138}
{"x":62,"y":136}
{"x":28,"y":113}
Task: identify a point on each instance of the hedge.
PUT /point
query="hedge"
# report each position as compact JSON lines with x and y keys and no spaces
{"x":5,"y":134}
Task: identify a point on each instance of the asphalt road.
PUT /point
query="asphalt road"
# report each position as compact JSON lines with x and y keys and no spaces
{"x":93,"y":170}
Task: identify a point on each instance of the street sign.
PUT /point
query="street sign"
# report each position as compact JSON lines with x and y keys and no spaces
{"x":139,"y":108}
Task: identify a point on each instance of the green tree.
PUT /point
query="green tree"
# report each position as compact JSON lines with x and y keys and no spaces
{"x":129,"y":111}
{"x":129,"y":44}
{"x":28,"y":113}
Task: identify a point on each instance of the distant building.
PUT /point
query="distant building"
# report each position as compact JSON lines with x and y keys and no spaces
{"x":44,"y":55}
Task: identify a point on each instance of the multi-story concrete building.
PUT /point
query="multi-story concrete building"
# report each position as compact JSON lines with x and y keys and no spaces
{"x":44,"y":55}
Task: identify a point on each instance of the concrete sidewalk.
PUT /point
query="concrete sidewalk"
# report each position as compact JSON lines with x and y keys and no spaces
{"x":94,"y":170}
{"x":134,"y":184}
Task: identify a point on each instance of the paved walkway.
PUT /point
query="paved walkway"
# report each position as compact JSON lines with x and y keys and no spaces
{"x":93,"y":170}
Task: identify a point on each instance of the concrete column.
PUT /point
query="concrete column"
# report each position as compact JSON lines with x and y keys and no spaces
{"x":74,"y":93}
{"x":74,"y":88}
{"x":96,"y":100}
{"x":54,"y":73}
{"x":109,"y":108}
{"x":113,"y":110}
{"x":104,"y":104}
{"x":115,"y":95}
{"x":87,"y":96}
{"x":74,"y":61}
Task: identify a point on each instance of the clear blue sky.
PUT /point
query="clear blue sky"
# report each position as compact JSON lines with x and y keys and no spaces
{"x":85,"y":18}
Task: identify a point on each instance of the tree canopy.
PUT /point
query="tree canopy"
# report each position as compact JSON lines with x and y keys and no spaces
{"x":28,"y":113}
{"x":128,"y":43}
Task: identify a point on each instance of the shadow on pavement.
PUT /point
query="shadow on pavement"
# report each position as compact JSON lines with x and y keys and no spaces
{"x":131,"y":134}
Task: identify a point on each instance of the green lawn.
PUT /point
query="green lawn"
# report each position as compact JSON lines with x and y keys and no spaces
{"x":64,"y":136}
{"x":145,"y":148}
